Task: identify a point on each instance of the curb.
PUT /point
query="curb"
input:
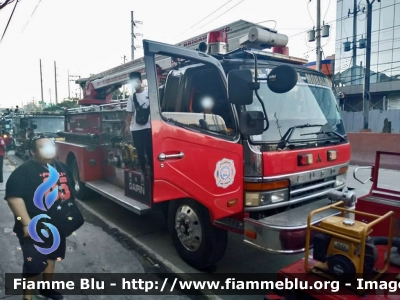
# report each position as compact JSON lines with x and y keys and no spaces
{"x":170,"y":266}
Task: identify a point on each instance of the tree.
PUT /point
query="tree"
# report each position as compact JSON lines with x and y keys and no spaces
{"x":66,"y":103}
{"x":118,"y":95}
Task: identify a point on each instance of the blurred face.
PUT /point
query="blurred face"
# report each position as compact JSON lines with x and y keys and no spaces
{"x":45,"y":149}
{"x":136,"y":83}
{"x":207,"y":103}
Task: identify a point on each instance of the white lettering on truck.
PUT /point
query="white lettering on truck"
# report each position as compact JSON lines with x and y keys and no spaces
{"x":137,"y":188}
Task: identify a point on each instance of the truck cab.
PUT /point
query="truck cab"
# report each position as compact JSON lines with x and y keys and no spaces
{"x":35,"y":123}
{"x":246,"y":141}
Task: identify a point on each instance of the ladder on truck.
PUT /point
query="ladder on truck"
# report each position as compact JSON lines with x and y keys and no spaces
{"x":113,"y":105}
{"x":120,"y":75}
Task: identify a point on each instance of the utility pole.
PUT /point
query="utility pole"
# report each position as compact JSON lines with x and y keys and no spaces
{"x":41,"y":79}
{"x":366,"y":96}
{"x":69,"y":91}
{"x":55,"y":81}
{"x":133,"y":37}
{"x":354,"y":64}
{"x":80,"y":89}
{"x":123,"y":87}
{"x":50,"y":95}
{"x":316,"y":34}
{"x":318,"y":61}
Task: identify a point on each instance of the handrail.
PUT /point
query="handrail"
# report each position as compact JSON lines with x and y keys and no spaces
{"x":361,"y":168}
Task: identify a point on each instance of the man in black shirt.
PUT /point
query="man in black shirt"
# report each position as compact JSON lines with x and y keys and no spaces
{"x":20,"y":190}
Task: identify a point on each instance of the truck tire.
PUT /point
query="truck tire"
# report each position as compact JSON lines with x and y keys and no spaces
{"x":81,"y":191}
{"x":197,"y":241}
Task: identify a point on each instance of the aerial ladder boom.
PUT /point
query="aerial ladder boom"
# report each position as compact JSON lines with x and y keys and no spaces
{"x":98,"y":88}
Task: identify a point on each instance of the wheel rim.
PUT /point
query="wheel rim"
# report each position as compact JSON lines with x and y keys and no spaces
{"x":75,"y":175}
{"x":188,"y":228}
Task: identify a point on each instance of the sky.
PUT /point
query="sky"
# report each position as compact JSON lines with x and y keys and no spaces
{"x":87,"y":37}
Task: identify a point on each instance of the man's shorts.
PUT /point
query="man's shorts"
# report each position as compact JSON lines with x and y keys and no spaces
{"x":34,"y":261}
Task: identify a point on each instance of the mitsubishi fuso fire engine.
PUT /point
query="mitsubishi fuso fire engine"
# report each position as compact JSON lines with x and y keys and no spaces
{"x":244,"y":140}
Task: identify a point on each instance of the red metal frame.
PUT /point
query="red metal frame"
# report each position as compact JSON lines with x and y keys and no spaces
{"x":296,"y":271}
{"x":375,"y":177}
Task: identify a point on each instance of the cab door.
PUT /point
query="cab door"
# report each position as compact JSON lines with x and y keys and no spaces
{"x":189,"y":163}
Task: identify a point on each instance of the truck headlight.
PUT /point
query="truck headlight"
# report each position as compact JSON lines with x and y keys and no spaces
{"x":340,"y":180}
{"x":252,"y":199}
{"x":265,"y":198}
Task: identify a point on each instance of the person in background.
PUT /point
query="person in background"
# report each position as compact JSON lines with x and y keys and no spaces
{"x":159,"y":73}
{"x":141,"y":134}
{"x":29,"y":133}
{"x":207,"y":103}
{"x":2,"y":154}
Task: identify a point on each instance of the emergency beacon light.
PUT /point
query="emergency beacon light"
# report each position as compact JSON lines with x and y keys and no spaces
{"x":217,"y":42}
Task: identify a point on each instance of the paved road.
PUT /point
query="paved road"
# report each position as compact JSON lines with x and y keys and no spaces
{"x":96,"y":248}
{"x":150,"y":233}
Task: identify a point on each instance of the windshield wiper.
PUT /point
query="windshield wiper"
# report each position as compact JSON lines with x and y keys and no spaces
{"x":341,"y":137}
{"x":284,"y":142}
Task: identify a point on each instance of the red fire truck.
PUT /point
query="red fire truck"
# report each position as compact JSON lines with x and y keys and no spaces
{"x":268,"y":152}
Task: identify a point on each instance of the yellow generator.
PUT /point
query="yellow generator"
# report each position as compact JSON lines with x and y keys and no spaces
{"x":342,"y":246}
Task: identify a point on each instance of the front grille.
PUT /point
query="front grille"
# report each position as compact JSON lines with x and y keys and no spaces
{"x":309,"y":189}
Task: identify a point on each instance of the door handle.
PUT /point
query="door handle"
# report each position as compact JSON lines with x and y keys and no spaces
{"x":163,"y":156}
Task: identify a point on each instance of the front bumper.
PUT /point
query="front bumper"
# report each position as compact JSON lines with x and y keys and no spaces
{"x":285,"y":232}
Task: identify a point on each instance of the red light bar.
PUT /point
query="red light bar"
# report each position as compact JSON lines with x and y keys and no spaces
{"x":217,"y":37}
{"x":305,"y":159}
{"x":281,"y":50}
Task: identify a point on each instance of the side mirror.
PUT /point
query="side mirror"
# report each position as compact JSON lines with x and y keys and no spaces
{"x":282,"y":79}
{"x":239,"y":87}
{"x":252,"y":122}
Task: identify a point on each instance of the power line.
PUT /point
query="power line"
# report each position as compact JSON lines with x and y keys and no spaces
{"x":308,"y":9}
{"x":221,"y":14}
{"x":6,"y":3}
{"x":330,"y":22}
{"x":9,"y":20}
{"x":204,"y":18}
{"x":327,"y":9}
{"x":276,"y":23}
{"x":31,"y":15}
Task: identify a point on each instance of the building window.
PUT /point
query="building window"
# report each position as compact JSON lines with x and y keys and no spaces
{"x":385,"y":57}
{"x":386,"y":39}
{"x":387,"y":17}
{"x":396,"y":37}
{"x":397,"y":13}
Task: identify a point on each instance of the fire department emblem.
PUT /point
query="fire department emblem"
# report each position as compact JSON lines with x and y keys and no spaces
{"x":224,"y":173}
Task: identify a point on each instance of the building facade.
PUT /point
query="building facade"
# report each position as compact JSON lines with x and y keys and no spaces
{"x":350,"y":52}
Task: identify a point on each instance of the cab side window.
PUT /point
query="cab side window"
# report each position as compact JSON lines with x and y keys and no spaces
{"x":196,"y":97}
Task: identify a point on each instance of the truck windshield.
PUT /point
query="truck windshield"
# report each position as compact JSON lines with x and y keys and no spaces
{"x":306,"y":103}
{"x":48,"y":125}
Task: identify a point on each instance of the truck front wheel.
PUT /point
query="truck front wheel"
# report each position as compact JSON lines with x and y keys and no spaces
{"x":198,"y":242}
{"x":81,"y":191}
